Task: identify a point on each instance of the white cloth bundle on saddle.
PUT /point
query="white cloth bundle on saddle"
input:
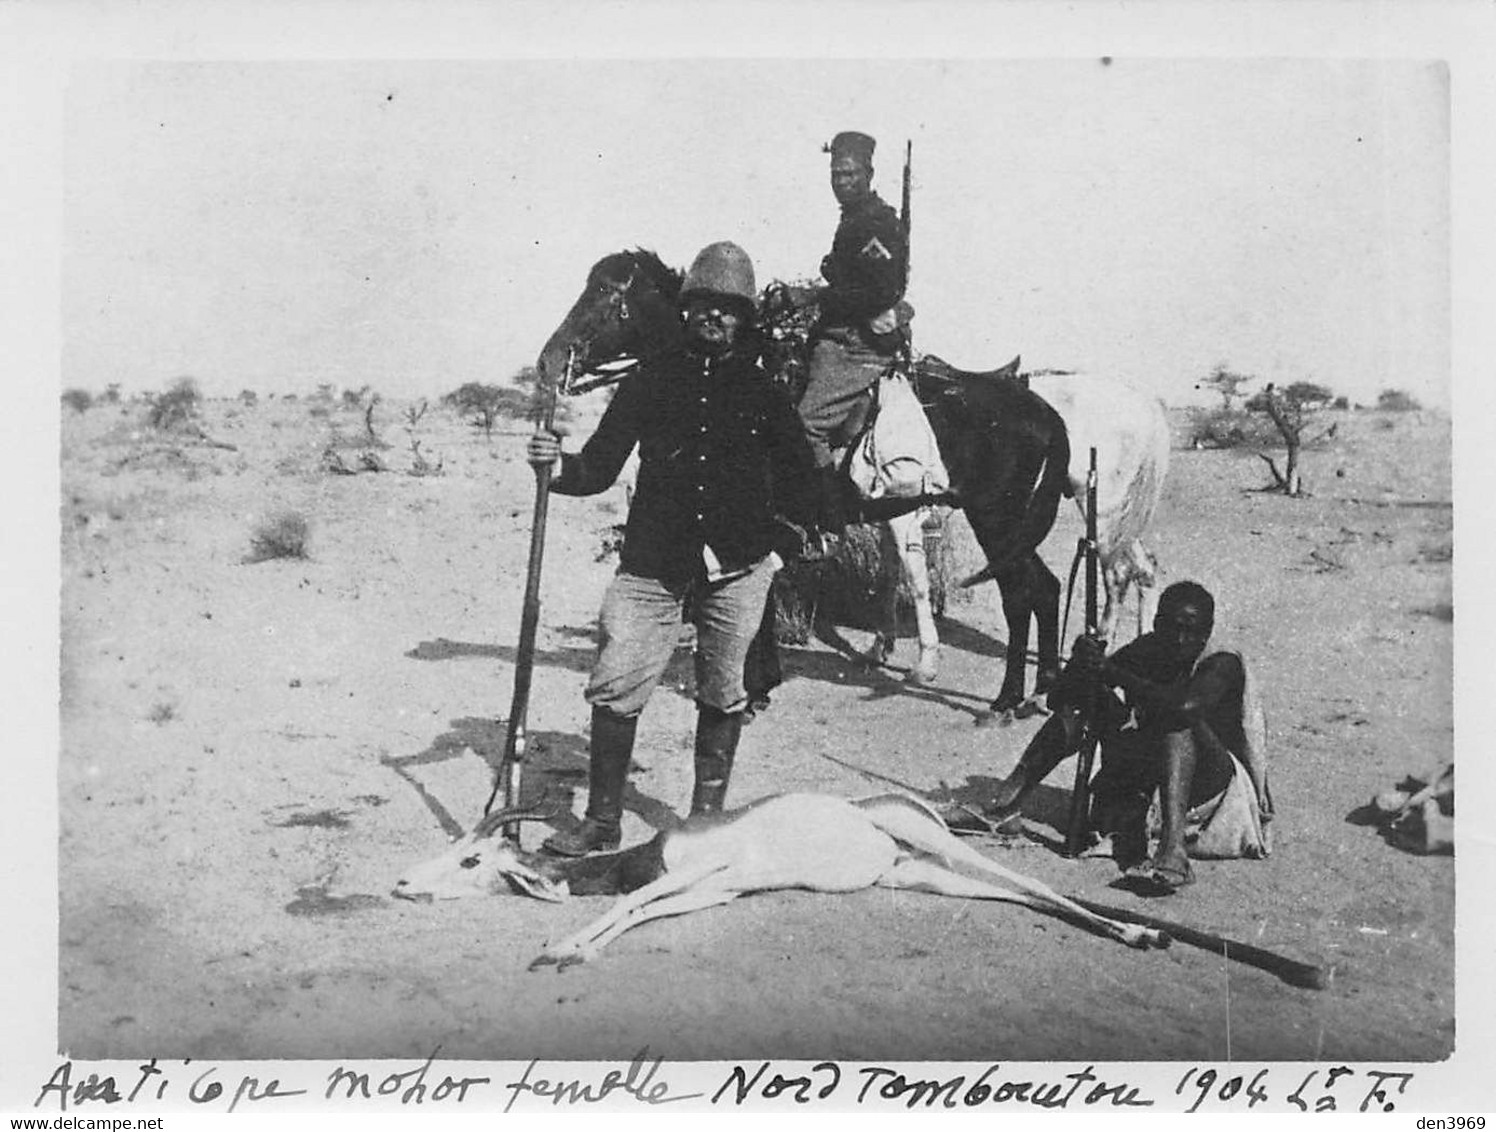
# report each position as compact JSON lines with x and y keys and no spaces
{"x":896,"y":455}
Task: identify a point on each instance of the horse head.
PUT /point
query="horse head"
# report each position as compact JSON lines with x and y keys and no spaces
{"x":628,"y":309}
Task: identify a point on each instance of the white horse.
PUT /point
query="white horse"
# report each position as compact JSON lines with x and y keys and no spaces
{"x":1130,"y":432}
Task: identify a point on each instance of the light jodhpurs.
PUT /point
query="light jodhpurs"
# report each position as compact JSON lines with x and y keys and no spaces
{"x":639,"y":628}
{"x":842,"y":372}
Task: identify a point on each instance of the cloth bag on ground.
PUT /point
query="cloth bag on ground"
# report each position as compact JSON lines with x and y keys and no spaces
{"x":896,"y":455}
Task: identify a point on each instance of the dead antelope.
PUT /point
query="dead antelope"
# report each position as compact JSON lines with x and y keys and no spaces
{"x":805,"y":841}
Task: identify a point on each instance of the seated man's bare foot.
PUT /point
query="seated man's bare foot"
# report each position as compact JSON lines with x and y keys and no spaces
{"x":1162,"y":876}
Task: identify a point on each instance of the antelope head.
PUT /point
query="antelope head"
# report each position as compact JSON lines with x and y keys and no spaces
{"x":483,"y":864}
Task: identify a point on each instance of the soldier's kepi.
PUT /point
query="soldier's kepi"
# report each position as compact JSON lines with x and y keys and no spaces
{"x":862,"y":314}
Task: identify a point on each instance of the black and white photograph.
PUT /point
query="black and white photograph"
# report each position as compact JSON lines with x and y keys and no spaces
{"x":888,"y":558}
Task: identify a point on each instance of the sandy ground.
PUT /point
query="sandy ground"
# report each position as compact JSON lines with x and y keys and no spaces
{"x":252,"y":752}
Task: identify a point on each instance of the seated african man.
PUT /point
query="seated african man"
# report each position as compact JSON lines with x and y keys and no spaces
{"x":1176,"y":722}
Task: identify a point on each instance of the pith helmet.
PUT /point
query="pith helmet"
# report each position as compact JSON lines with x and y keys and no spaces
{"x":852,"y":144}
{"x":722,"y":269}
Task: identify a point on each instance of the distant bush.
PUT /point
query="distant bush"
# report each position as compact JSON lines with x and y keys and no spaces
{"x":1229,"y":428}
{"x":281,"y":535}
{"x":1341,"y":403}
{"x":1308,"y":395}
{"x":176,"y":406}
{"x":79,"y":400}
{"x":111,"y":393}
{"x":249,"y":396}
{"x":482,"y":405}
{"x":1397,"y":401}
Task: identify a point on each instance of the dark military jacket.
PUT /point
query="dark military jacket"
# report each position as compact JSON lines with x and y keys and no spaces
{"x":721,"y":455}
{"x":867,"y":265}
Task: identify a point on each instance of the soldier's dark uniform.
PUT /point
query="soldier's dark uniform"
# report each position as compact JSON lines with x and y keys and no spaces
{"x":721,"y":457}
{"x":865,"y":272}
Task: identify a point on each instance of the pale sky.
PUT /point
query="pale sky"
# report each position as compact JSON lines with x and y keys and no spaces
{"x":415,"y":225}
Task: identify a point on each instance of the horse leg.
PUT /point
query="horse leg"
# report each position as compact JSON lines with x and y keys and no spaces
{"x":1013,"y":588}
{"x":886,"y":632}
{"x":908,"y":535}
{"x":1044,"y":593}
{"x":1144,"y":576}
{"x":1029,"y":590}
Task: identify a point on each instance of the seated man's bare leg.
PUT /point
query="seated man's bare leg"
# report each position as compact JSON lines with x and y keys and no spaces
{"x":1051,"y":745}
{"x":1196,"y":768}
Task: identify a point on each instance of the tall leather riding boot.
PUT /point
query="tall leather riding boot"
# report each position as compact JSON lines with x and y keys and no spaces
{"x":610,"y":750}
{"x":716,"y":743}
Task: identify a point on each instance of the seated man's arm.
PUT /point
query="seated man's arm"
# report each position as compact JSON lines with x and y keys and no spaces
{"x":1181,"y":700}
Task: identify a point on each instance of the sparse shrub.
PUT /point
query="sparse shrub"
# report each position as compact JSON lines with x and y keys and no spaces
{"x":1397,"y":401}
{"x":111,"y":393}
{"x":1341,"y":403}
{"x":354,"y":398}
{"x":79,"y":400}
{"x":176,"y":406}
{"x":1219,"y":427}
{"x":161,"y":713}
{"x":280,"y":535}
{"x":1225,"y":382}
{"x":249,"y":397}
{"x":1291,"y":411}
{"x":419,"y":464}
{"x":482,"y":405}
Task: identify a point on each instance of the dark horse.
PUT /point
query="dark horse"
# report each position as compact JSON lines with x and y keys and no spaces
{"x":1006,"y":449}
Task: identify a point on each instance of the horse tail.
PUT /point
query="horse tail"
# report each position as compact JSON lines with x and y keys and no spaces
{"x":1051,"y":482}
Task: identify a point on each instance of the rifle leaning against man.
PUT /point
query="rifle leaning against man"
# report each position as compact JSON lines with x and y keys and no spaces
{"x":1080,"y":797}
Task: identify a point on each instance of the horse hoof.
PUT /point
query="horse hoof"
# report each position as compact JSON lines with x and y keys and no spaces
{"x":1030,"y":707}
{"x":991,"y":718}
{"x":927,"y":669}
{"x":878,"y":653}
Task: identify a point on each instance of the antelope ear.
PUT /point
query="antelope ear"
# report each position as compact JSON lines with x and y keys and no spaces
{"x":533,"y":884}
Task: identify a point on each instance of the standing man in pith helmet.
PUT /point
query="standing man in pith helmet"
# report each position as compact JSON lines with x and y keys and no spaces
{"x":722,"y":460}
{"x":862,"y":315}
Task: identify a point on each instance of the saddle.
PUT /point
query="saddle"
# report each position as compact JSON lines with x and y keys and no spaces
{"x":930,"y":367}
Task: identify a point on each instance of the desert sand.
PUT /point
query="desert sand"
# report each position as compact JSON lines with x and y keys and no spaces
{"x":253,"y":750}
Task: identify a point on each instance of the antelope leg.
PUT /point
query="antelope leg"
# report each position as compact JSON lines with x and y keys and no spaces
{"x":678,"y":905}
{"x":913,"y":825}
{"x":623,"y":914}
{"x":925,"y":875}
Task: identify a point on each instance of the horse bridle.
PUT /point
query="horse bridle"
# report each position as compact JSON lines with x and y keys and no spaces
{"x":589,"y":377}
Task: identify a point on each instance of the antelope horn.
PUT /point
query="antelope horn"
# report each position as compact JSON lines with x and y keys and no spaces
{"x":542,"y":810}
